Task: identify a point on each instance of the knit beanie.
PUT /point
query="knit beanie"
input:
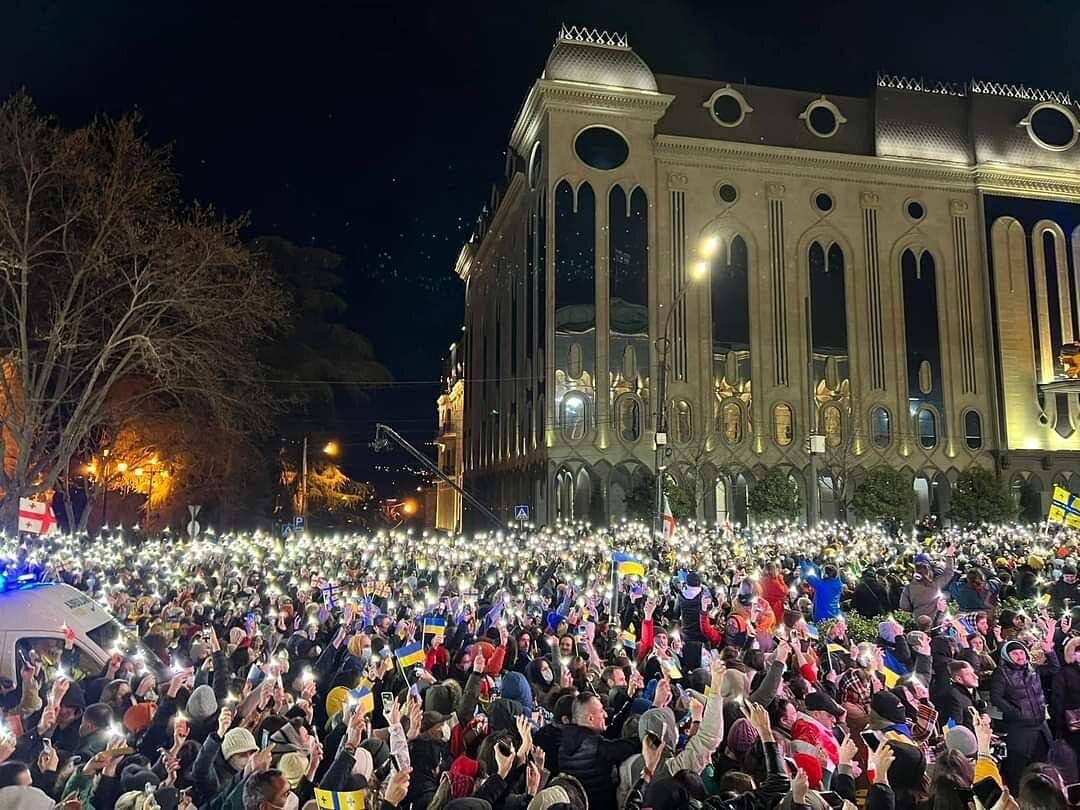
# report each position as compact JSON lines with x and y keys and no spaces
{"x":137,"y":719}
{"x":293,"y":766}
{"x":237,"y":741}
{"x":741,"y":738}
{"x":202,"y":703}
{"x":962,"y":739}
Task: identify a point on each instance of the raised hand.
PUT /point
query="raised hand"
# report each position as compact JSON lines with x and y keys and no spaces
{"x":651,"y":753}
{"x":398,"y":788}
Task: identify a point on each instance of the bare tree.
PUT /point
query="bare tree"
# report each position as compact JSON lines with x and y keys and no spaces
{"x":112,"y":295}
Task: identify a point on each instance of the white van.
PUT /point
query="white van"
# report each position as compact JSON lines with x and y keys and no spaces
{"x":34,"y":617}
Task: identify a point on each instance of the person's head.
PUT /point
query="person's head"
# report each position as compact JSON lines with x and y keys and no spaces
{"x":953,"y":775}
{"x":830,"y":571}
{"x":977,"y":644}
{"x":117,"y":693}
{"x":524,"y":642}
{"x":660,"y":641}
{"x":735,"y":783}
{"x":975,"y":578}
{"x":566,"y":646}
{"x":95,"y":718}
{"x":782,"y":713}
{"x":589,"y":712}
{"x":237,"y":747}
{"x":1015,"y":653}
{"x":1068,"y":573}
{"x":269,"y":790}
{"x":982,"y":623}
{"x":15,"y":773}
{"x":614,"y":677}
{"x":465,"y":661}
{"x":962,"y":674}
{"x":1041,"y":788}
{"x":547,"y":675}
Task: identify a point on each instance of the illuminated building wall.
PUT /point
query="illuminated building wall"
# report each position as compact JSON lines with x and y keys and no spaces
{"x":897,"y":272}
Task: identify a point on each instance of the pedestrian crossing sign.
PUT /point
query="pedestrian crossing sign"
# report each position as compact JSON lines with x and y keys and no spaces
{"x":521,"y":512}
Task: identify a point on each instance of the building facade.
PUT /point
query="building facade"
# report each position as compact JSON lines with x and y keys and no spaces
{"x":898,"y":274}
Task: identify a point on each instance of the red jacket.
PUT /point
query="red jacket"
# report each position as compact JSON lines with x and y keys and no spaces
{"x":775,"y":592}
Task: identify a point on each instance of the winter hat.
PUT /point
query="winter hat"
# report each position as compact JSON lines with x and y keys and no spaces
{"x":962,"y":739}
{"x":137,"y":719}
{"x":237,"y":741}
{"x":693,"y":580}
{"x":821,"y":702}
{"x":336,"y":699}
{"x":1008,"y":647}
{"x":202,"y":703}
{"x":17,"y":797}
{"x":922,"y":559}
{"x":888,"y":706}
{"x":661,"y":722}
{"x":357,"y":644}
{"x":293,"y":766}
{"x":888,"y":630}
{"x":136,"y":777}
{"x":554,"y":620}
{"x":545,"y":799}
{"x":1035,"y":561}
{"x":741,"y":738}
{"x":516,"y":687}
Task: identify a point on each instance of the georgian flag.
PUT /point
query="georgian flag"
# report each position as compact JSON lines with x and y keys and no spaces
{"x":669,"y":520}
{"x":35,"y":517}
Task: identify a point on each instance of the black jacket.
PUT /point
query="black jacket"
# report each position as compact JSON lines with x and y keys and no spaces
{"x":1065,"y":695}
{"x":871,"y":599}
{"x":956,"y":704}
{"x":593,"y":760}
{"x":767,"y":795}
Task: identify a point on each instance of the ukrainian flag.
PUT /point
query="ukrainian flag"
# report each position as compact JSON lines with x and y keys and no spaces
{"x":365,"y":699}
{"x":410,"y":654}
{"x":340,"y":799}
{"x":627,"y":565}
{"x":629,"y":637}
{"x":434,"y":625}
{"x":1065,"y":508}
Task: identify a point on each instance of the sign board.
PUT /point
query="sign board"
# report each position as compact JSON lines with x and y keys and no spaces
{"x":521,"y":512}
{"x":298,"y":521}
{"x":286,"y":531}
{"x":193,"y":526}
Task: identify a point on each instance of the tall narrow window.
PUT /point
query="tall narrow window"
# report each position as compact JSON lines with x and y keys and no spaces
{"x":628,"y":418}
{"x":575,"y":296}
{"x":921,"y":330}
{"x":926,"y":422}
{"x":782,"y":424}
{"x":575,"y":417}
{"x":828,"y":314}
{"x":730,"y":308}
{"x":628,"y":274}
{"x":684,"y":426}
{"x":973,"y":430}
{"x":731,"y":422}
{"x":832,"y":425}
{"x":880,"y":428}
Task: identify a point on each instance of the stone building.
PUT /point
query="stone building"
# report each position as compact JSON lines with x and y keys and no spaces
{"x":895,"y":273}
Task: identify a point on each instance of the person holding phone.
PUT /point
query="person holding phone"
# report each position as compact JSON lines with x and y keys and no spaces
{"x":1016,"y":689}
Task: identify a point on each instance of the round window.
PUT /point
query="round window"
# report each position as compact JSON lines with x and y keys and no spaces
{"x":535,"y":161}
{"x":1052,"y":128}
{"x":727,"y":110}
{"x":823,"y":202}
{"x":822,"y":121}
{"x":727,"y":193}
{"x":915,"y":210}
{"x":601,"y":148}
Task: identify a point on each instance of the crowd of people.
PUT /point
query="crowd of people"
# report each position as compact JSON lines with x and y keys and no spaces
{"x":830,"y":668}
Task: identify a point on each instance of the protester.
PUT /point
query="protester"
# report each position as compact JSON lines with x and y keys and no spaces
{"x":424,"y":671}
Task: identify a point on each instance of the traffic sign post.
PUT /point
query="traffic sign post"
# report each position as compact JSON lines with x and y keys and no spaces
{"x":298,"y":521}
{"x":521,"y":513}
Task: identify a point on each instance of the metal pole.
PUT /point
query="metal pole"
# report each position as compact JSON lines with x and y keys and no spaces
{"x":105,"y":494}
{"x":303,"y":483}
{"x":813,"y":500}
{"x":660,"y":437}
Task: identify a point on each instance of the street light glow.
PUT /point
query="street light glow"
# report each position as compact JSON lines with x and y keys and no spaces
{"x":331,"y":448}
{"x":701,"y":269}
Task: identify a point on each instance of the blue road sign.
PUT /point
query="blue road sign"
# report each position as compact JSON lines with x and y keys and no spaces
{"x":521,"y":512}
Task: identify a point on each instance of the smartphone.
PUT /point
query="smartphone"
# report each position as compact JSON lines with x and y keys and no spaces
{"x":505,"y":747}
{"x":122,"y":751}
{"x":387,"y":702}
{"x":1072,"y":792}
{"x":988,"y":792}
{"x":832,"y":798}
{"x":871,"y":739}
{"x":46,"y":743}
{"x":654,"y":739}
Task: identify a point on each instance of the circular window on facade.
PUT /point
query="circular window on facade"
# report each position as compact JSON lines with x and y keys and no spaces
{"x":823,"y":118}
{"x":727,"y":193}
{"x":601,"y":148}
{"x":1052,"y":127}
{"x":727,"y":107}
{"x":536,"y":159}
{"x":914,"y":210}
{"x":823,"y":202}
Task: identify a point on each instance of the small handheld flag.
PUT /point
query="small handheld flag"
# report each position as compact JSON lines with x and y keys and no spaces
{"x":434,"y":626}
{"x":365,"y":699}
{"x":410,"y":655}
{"x":340,"y":799}
{"x":627,"y":565}
{"x":629,"y":637}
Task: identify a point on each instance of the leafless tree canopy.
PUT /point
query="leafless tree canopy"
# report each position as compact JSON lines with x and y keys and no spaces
{"x":112,"y":292}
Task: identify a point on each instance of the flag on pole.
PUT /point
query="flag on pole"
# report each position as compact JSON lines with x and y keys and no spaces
{"x":669,"y":520}
{"x":626,"y":564}
{"x":434,"y":625}
{"x":365,"y":700}
{"x":35,"y":517}
{"x":629,"y":638}
{"x":410,"y":654}
{"x":1064,"y":508}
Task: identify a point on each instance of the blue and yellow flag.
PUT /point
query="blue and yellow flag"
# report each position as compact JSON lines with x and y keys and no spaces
{"x":340,"y":799}
{"x":410,"y":655}
{"x":434,"y":626}
{"x":629,"y":638}
{"x":1064,"y":508}
{"x":364,"y":697}
{"x":627,"y":565}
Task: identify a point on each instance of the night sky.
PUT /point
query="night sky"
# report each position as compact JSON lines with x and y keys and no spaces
{"x":375,"y":130}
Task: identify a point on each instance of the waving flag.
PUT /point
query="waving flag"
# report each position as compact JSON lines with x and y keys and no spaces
{"x":1064,"y":508}
{"x":669,"y":520}
{"x":365,"y":700}
{"x":340,"y":799}
{"x":627,"y":565}
{"x":410,"y":655}
{"x":629,"y":638}
{"x":434,"y":626}
{"x":35,"y":517}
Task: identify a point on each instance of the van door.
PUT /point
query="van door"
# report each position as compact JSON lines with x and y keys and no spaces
{"x":48,"y":647}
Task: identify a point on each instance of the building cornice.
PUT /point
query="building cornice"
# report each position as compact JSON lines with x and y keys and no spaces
{"x":494,"y":228}
{"x":790,"y":162}
{"x":582,"y":99}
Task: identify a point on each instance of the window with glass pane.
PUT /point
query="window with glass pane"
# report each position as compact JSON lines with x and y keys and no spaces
{"x":880,"y":429}
{"x":575,"y":413}
{"x":731,"y":419}
{"x":782,"y":428}
{"x":927,"y":424}
{"x":629,"y":417}
{"x":683,"y":424}
{"x":973,"y":430}
{"x":832,"y":424}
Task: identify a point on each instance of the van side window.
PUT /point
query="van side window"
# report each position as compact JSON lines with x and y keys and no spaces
{"x":50,"y":651}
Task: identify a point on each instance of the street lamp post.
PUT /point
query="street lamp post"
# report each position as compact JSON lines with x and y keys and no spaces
{"x":663,"y":344}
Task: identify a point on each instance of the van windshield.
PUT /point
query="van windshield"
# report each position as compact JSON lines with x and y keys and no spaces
{"x":113,"y":635}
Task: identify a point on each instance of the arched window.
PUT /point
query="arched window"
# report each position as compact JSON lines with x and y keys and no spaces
{"x":731,"y":422}
{"x":684,"y":426}
{"x":880,"y":428}
{"x":832,"y":424}
{"x":926,"y":423}
{"x":973,"y":430}
{"x":575,"y":416}
{"x":921,"y":330}
{"x":628,"y":418}
{"x":720,"y":493}
{"x":782,"y":424}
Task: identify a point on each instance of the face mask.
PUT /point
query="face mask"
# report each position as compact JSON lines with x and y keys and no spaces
{"x":150,"y":696}
{"x":547,"y":675}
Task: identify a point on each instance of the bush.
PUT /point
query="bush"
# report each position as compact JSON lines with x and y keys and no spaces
{"x":884,"y":494}
{"x":980,"y":496}
{"x":775,"y":497}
